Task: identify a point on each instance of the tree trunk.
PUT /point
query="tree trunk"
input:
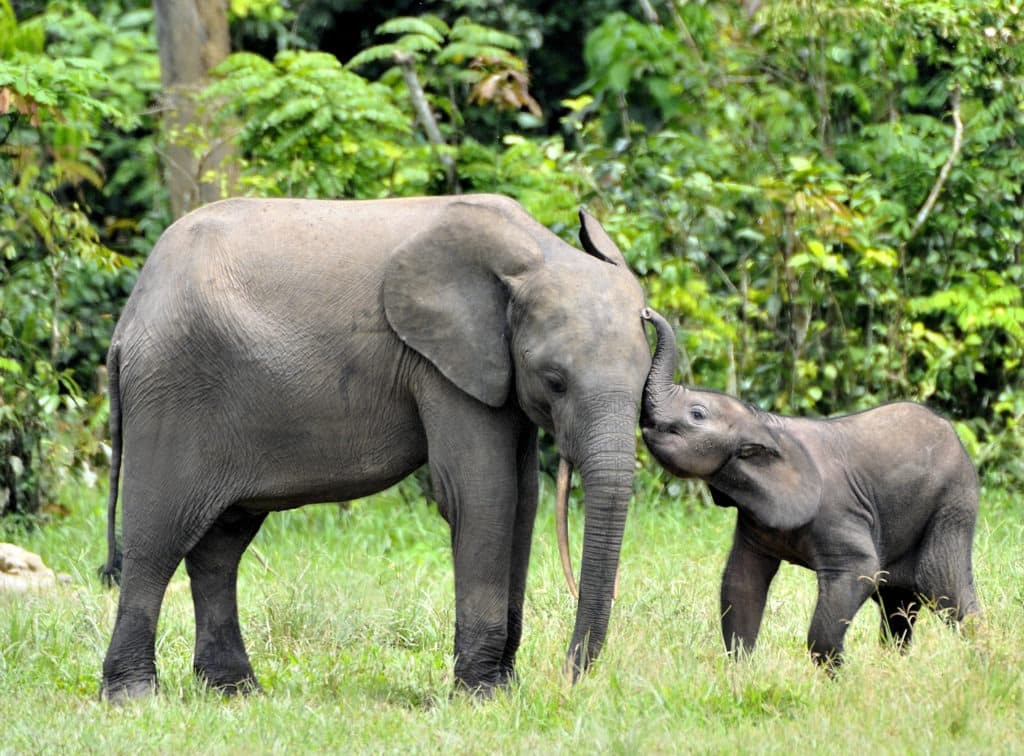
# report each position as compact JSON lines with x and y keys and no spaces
{"x":193,"y":38}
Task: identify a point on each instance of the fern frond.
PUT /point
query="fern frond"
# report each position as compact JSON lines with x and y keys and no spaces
{"x":292,"y":110}
{"x":1004,"y":295}
{"x":243,"y":61}
{"x":460,"y":52}
{"x":374,"y":54}
{"x":305,"y":61}
{"x":320,"y":120}
{"x":434,"y":28}
{"x":286,"y":145}
{"x":472,"y":33}
{"x":416,"y":43}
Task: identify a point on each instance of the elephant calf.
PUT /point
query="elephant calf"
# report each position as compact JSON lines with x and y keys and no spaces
{"x":881,"y":503}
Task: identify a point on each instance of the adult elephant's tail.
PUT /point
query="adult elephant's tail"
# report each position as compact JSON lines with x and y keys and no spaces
{"x":110,"y":573}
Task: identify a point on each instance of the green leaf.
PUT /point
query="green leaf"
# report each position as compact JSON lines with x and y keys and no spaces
{"x":800,"y":164}
{"x":9,"y":365}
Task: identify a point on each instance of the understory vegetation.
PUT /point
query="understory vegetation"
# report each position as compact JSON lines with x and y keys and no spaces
{"x":348,"y":618}
{"x":828,"y":206}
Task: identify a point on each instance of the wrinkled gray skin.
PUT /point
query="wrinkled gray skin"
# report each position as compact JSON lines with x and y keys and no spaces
{"x":276,"y":353}
{"x":879,"y":504}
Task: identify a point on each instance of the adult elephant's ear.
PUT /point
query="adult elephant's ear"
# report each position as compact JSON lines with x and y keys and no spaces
{"x":446,"y":295}
{"x":771,"y":477}
{"x":596,"y":242}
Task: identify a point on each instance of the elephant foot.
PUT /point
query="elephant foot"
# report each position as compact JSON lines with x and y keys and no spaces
{"x":485,"y":690}
{"x":508,"y":678}
{"x":120,"y":693}
{"x":230,"y":685}
{"x":476,"y":693}
{"x":247,"y":687}
{"x":830,"y":663}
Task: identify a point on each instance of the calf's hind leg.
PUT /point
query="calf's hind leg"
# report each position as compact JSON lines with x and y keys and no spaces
{"x":220,"y":657}
{"x":944,"y":572}
{"x":898,"y":608}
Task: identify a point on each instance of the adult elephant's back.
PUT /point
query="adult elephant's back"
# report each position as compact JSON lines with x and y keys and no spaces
{"x":257,"y":330}
{"x":277,"y":262}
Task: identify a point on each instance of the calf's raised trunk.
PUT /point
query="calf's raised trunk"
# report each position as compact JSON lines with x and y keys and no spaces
{"x":663,"y":367}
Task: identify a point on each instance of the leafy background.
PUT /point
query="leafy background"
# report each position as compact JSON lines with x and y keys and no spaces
{"x":827,"y":205}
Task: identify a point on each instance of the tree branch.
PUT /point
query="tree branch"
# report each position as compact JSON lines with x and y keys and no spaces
{"x":426,"y":118}
{"x":650,"y":15}
{"x":947,"y":167}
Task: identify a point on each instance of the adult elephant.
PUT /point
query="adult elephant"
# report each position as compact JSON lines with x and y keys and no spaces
{"x":276,"y":353}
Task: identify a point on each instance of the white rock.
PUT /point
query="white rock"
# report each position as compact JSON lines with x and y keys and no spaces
{"x":22,"y":571}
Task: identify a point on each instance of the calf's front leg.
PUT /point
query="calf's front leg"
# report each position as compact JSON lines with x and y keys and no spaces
{"x":841,"y":592}
{"x":745,"y":582}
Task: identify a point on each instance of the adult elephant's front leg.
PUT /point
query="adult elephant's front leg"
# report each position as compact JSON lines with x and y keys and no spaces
{"x":473,"y":464}
{"x":522,"y":538}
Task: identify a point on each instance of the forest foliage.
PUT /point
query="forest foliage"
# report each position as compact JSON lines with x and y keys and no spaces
{"x":828,"y":206}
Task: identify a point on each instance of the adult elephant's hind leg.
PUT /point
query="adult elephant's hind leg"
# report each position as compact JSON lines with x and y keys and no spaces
{"x":129,"y":667}
{"x":220,"y":657}
{"x":156,"y":538}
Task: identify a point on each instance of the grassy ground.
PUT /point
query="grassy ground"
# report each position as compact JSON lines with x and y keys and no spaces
{"x":348,"y":618}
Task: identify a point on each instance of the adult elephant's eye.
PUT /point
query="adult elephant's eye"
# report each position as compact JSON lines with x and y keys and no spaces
{"x":555,"y":382}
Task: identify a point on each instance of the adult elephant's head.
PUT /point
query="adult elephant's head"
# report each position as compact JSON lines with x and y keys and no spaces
{"x":509,"y":312}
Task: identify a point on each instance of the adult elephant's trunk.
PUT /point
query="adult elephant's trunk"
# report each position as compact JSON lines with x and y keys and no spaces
{"x":606,"y":468}
{"x":663,"y":368}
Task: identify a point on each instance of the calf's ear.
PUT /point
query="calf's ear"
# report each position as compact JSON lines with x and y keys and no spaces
{"x":771,"y":477}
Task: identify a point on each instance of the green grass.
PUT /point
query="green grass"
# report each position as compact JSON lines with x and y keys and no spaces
{"x":348,"y":619}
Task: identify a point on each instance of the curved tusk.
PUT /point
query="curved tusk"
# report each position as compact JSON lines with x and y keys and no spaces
{"x":562,"y":523}
{"x":562,"y":527}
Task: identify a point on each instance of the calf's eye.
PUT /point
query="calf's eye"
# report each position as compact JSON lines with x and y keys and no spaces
{"x":698,"y":413}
